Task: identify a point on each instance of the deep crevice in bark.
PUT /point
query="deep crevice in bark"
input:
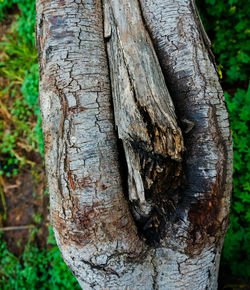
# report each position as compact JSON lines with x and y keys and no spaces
{"x":162,"y":175}
{"x":123,"y":168}
{"x":193,"y":99}
{"x":100,"y":225}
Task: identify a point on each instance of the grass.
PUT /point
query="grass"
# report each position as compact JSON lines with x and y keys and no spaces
{"x":36,"y":269}
{"x":21,"y":135}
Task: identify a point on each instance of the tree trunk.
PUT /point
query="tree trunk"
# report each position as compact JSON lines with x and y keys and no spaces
{"x":141,"y":200}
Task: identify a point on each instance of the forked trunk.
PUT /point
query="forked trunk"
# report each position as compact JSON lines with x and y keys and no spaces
{"x":139,"y":200}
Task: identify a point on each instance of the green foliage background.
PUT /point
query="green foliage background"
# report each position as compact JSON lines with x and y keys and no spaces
{"x":36,"y":269}
{"x":227,"y":24}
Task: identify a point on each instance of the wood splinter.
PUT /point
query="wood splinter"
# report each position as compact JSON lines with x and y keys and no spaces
{"x":144,"y":112}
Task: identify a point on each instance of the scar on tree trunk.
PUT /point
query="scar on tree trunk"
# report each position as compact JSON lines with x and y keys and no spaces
{"x":145,"y":119}
{"x":150,"y":65}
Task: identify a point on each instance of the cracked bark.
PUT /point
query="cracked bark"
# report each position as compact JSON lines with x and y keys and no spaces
{"x":168,"y":233}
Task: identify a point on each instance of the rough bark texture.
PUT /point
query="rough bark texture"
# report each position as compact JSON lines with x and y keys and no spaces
{"x":190,"y":73}
{"x":94,"y":228}
{"x":145,"y":118}
{"x":184,"y":51}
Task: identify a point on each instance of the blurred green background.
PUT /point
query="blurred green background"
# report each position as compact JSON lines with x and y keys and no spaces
{"x":29,"y":258}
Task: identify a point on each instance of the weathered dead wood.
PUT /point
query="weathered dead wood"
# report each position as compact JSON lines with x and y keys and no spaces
{"x":91,"y":220}
{"x":190,"y":73}
{"x":185,"y":55}
{"x":144,"y":114}
{"x":90,"y":214}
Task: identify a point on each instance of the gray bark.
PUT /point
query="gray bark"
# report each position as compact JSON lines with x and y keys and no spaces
{"x":166,"y":231}
{"x":144,"y":112}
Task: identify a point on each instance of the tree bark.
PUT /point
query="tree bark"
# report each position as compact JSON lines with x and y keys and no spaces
{"x":139,"y":200}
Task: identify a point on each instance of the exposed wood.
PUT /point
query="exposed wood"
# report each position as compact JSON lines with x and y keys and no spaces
{"x":91,"y":220}
{"x":185,"y":55}
{"x":94,"y":229}
{"x":144,"y":117}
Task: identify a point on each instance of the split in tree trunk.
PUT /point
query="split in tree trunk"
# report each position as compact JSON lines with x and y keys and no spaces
{"x":169,"y":232}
